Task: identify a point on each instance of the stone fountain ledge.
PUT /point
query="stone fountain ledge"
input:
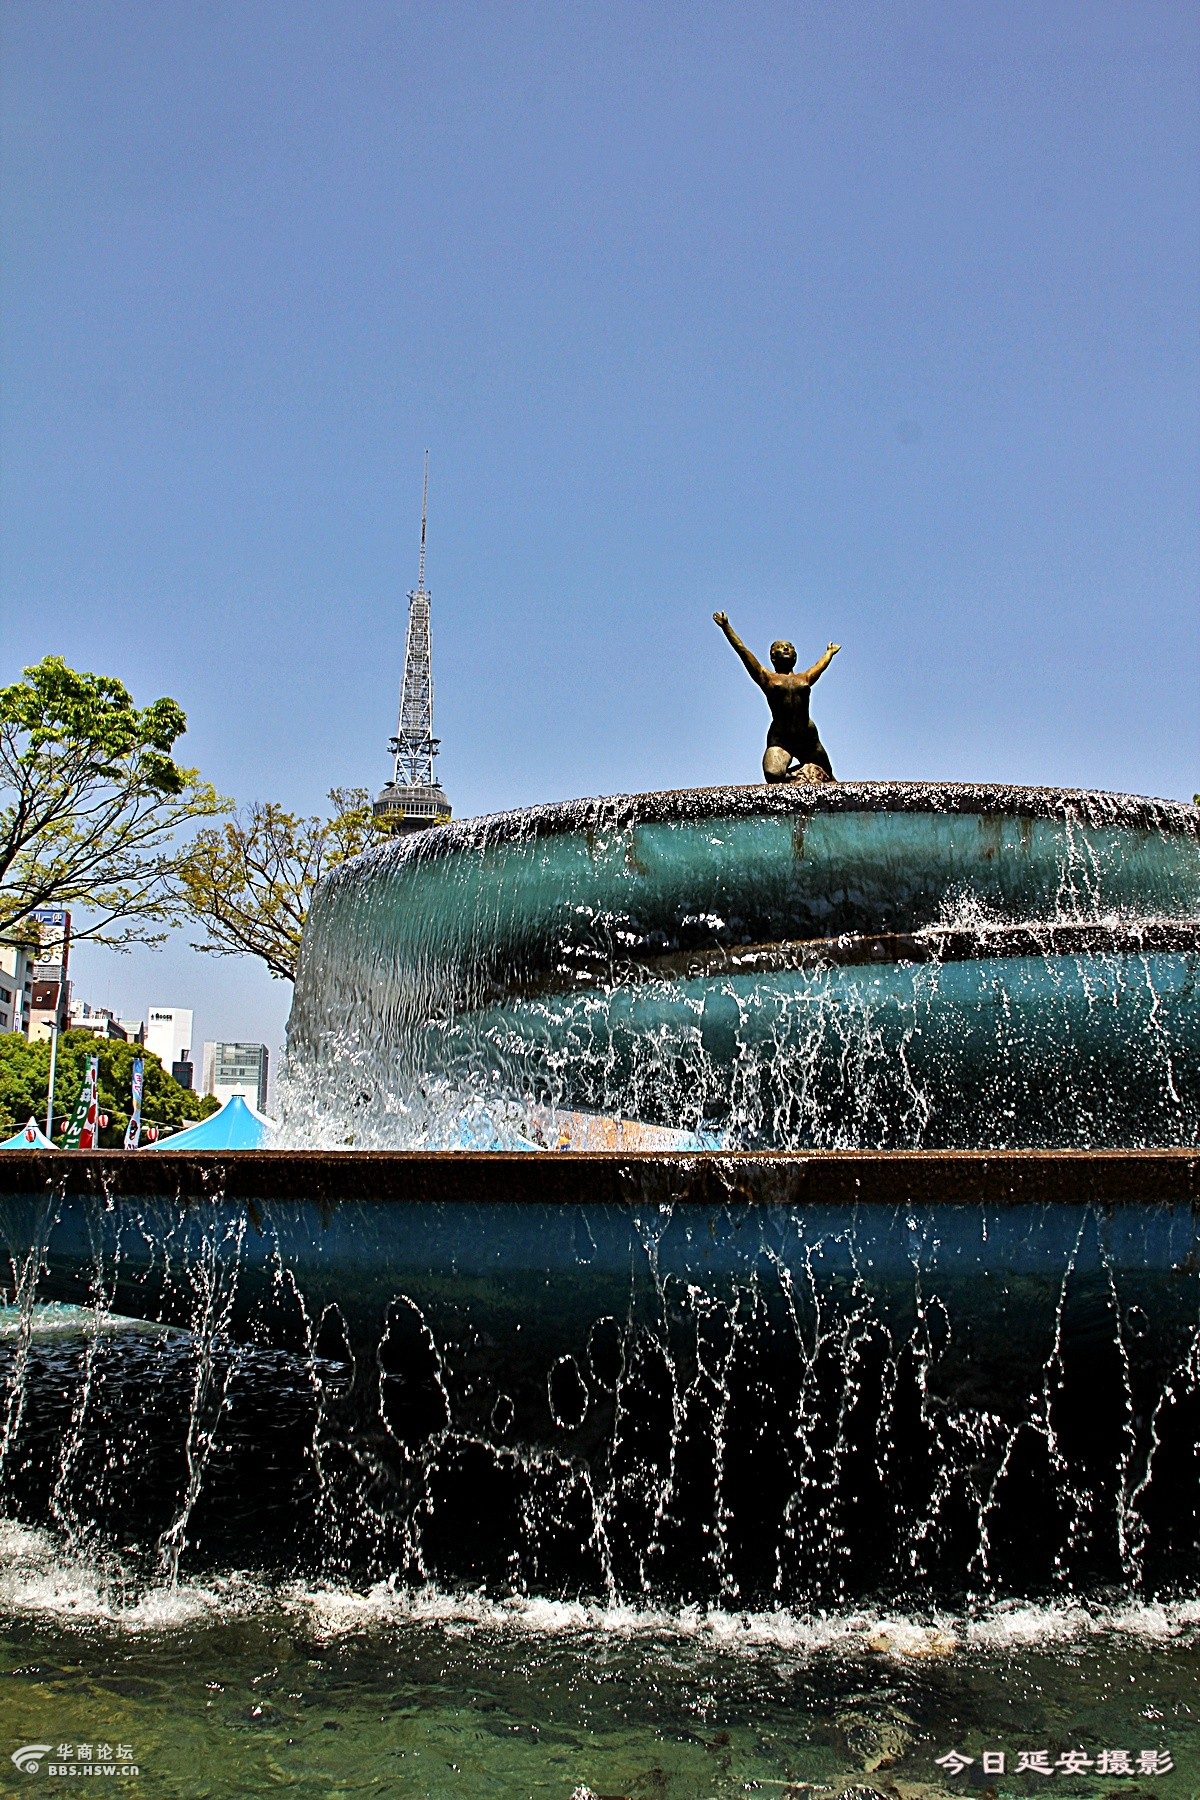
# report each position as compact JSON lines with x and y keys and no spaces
{"x":992,"y":1178}
{"x":1086,"y":806}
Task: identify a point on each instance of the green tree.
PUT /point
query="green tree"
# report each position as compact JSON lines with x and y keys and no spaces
{"x":91,"y":802}
{"x":249,"y":881}
{"x":25,"y":1072}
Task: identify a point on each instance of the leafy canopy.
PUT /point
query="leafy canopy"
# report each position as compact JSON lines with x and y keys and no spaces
{"x":90,"y":802}
{"x":249,"y":881}
{"x":25,"y":1073}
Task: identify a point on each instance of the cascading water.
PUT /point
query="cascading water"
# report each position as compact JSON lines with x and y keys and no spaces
{"x":868,"y":965}
{"x":657,"y":1391}
{"x":789,"y":1399}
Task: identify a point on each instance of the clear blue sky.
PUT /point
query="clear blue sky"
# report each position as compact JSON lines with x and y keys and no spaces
{"x":867,"y":321}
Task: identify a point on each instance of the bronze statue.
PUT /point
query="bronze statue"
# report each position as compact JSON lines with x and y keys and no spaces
{"x":794,"y":749}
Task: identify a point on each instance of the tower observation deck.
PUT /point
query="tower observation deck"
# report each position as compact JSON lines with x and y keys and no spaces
{"x":414,"y":799}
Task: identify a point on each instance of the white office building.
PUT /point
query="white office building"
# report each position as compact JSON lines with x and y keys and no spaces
{"x":103,"y":1022}
{"x":169,"y":1034}
{"x":16,"y":987}
{"x":236,"y":1069}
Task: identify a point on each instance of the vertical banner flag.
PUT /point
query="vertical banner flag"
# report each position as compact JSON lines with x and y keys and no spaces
{"x":89,"y":1137}
{"x":133,"y":1130}
{"x":84,"y":1127}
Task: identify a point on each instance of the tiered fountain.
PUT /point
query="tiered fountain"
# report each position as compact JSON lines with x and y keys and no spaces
{"x":928,"y":1312}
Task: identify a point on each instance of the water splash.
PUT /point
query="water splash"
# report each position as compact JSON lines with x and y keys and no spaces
{"x":40,"y":1581}
{"x":740,"y":1406}
{"x":881,"y":965}
{"x":746,"y":1405}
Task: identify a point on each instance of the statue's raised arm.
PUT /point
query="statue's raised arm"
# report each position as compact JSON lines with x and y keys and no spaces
{"x":753,"y":667}
{"x":821,"y":664}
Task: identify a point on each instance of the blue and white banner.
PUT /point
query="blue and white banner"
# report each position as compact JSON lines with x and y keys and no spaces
{"x":133,"y":1130}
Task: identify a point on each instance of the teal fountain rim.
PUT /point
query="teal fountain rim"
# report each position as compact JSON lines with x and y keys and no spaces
{"x":686,"y":806}
{"x":1167,"y":1175}
{"x":858,"y":949}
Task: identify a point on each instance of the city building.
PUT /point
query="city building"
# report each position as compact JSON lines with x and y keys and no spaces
{"x":413,"y":799}
{"x":169,"y":1033}
{"x":101,"y":1021}
{"x":49,"y":1005}
{"x":16,"y":986}
{"x":96,"y":1019}
{"x":184,"y":1071}
{"x":236,"y":1069}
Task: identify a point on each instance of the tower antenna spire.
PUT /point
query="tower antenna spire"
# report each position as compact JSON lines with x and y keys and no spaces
{"x":424,"y":510}
{"x":414,"y":798}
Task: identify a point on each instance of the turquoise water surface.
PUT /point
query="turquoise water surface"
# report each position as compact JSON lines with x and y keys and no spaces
{"x":235,"y":1687}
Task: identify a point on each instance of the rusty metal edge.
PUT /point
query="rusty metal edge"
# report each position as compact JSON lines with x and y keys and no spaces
{"x":819,"y":1177}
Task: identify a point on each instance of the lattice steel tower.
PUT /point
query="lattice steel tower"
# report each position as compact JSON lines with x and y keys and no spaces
{"x":413,"y":799}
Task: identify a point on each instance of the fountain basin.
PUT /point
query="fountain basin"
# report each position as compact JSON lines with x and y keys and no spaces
{"x":725,"y":1374}
{"x":869,"y":964}
{"x":896,"y":1342}
{"x":298,"y":1231}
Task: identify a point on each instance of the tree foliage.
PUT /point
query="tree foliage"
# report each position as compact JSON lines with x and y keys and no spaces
{"x":25,"y":1073}
{"x":249,"y":881}
{"x":91,"y":801}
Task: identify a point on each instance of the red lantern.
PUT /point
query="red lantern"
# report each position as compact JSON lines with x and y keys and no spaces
{"x":104,"y":1121}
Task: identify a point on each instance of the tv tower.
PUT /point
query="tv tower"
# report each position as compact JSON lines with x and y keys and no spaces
{"x":413,"y":799}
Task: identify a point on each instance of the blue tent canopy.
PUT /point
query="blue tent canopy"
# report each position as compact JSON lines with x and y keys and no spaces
{"x":30,"y":1137}
{"x":238,"y":1126}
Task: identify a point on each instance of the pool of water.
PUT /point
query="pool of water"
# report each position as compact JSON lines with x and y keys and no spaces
{"x":238,"y":1686}
{"x":170,"y":1603}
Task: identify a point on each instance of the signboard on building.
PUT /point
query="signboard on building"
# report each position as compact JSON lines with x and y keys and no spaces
{"x":54,"y":934}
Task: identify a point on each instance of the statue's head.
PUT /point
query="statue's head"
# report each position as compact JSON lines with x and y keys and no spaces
{"x":783,"y":656}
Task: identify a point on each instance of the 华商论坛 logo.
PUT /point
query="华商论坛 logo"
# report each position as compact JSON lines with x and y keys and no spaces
{"x":29,"y":1757}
